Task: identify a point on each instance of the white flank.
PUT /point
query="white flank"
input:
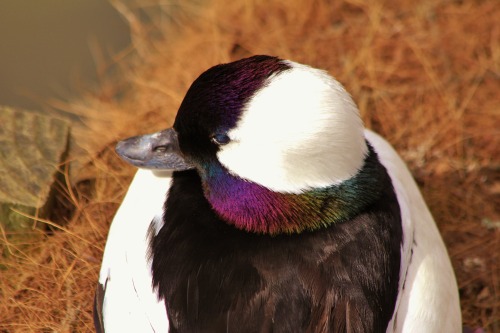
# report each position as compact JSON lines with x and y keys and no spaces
{"x":429,"y":301}
{"x":301,"y":130}
{"x":130,"y":304}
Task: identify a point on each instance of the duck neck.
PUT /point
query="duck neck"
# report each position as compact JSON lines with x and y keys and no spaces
{"x":254,"y":208}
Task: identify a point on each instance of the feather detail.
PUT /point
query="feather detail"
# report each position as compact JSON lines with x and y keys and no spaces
{"x":254,"y":208}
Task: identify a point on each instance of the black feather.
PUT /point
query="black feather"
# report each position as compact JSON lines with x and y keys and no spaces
{"x":215,"y":278}
{"x":97,"y":313}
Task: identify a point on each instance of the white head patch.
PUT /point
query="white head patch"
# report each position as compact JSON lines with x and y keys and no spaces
{"x":301,"y":130}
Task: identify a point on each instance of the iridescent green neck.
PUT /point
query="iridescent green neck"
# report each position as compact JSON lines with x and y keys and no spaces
{"x":251,"y":207}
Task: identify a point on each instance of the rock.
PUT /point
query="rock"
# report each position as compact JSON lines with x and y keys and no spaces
{"x":31,"y":150}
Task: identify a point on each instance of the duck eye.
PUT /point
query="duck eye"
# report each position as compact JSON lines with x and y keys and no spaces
{"x":160,"y":149}
{"x":220,"y":139}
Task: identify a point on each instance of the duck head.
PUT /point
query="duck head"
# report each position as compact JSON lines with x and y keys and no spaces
{"x":261,"y":129}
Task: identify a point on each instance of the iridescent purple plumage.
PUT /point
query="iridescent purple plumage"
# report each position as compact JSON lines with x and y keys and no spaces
{"x":247,"y":205}
{"x":218,"y":96}
{"x":218,"y":99}
{"x":254,"y":208}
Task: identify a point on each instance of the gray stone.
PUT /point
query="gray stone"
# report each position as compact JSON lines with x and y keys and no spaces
{"x":31,"y":148}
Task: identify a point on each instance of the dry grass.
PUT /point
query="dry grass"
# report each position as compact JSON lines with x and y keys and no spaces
{"x":425,"y":74}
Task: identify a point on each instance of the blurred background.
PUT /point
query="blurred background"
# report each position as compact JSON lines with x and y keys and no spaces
{"x":53,"y":48}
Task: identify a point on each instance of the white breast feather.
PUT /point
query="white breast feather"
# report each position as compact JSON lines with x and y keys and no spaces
{"x":130,"y":304}
{"x":429,"y":301}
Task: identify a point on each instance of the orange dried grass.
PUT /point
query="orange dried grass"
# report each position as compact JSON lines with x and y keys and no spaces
{"x":425,"y":74}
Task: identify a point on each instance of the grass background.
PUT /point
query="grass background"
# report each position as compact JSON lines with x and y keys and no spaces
{"x":425,"y":74}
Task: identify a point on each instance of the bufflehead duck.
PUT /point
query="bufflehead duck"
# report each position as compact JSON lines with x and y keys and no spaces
{"x":269,"y":208}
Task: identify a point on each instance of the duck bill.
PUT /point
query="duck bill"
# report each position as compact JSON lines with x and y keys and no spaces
{"x":158,"y":151}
